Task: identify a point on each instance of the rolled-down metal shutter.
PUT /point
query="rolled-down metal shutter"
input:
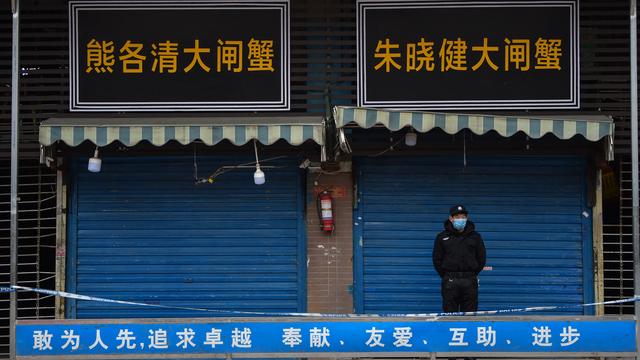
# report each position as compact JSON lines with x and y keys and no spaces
{"x":140,"y":230}
{"x":530,"y":211}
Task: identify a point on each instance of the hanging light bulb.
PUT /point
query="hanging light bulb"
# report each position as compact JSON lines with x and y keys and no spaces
{"x":411,"y":138}
{"x":95,"y":163}
{"x":258,"y":176}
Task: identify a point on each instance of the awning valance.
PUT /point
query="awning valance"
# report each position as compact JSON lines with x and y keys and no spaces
{"x":593,"y":128}
{"x":158,"y":131}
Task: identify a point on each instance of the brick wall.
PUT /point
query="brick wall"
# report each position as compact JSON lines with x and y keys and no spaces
{"x":330,"y":265}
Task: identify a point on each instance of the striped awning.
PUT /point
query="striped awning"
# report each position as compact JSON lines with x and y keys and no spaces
{"x":592,"y":128}
{"x":158,"y":131}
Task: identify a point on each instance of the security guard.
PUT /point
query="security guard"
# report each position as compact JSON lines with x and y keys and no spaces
{"x":459,"y":256}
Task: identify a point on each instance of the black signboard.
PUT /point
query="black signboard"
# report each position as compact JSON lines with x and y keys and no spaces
{"x":468,"y":54}
{"x":179,"y":56}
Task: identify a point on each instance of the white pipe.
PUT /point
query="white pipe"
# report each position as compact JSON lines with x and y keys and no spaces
{"x":633,"y":30}
{"x":15,"y":92}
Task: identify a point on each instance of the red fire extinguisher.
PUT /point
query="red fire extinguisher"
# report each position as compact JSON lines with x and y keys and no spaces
{"x":325,"y":211}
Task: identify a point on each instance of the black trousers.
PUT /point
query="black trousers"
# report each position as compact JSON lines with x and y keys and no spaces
{"x":459,"y":294}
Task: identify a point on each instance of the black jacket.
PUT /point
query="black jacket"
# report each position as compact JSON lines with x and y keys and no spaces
{"x":455,"y":251}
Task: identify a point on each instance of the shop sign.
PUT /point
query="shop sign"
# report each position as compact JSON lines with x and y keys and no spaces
{"x":468,"y":55}
{"x":179,"y":56}
{"x":291,"y":337}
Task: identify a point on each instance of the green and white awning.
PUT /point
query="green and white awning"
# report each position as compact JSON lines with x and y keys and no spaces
{"x":592,"y":128}
{"x":158,"y":131}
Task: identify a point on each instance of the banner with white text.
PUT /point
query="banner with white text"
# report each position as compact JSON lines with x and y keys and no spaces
{"x":293,"y":337}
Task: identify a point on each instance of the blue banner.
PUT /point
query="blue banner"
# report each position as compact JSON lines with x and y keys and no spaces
{"x":284,"y":336}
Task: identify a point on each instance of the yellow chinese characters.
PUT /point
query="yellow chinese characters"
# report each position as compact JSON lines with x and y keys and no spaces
{"x":548,"y":52}
{"x":260,"y":55}
{"x":229,"y":53}
{"x":453,"y":55}
{"x":132,"y":60}
{"x":196,"y":51}
{"x":485,"y":49}
{"x":100,"y":56}
{"x":386,"y":52}
{"x":165,"y":56}
{"x":516,"y":52}
{"x":422,"y":58}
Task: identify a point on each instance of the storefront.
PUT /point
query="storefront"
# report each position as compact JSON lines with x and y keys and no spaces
{"x":189,"y":227}
{"x":531,"y":211}
{"x":534,"y":208}
{"x":196,"y":215}
{"x":164,"y":234}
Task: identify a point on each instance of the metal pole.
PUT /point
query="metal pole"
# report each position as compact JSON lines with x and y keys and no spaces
{"x":15,"y":78}
{"x":633,"y":30}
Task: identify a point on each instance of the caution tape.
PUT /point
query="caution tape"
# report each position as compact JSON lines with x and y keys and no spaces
{"x":299,"y":314}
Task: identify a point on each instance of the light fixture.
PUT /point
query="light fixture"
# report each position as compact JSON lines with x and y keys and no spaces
{"x":42,"y":155}
{"x":411,"y":138}
{"x":258,"y":176}
{"x":95,"y":163}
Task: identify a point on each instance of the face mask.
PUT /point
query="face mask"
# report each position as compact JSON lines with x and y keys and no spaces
{"x":459,"y":224}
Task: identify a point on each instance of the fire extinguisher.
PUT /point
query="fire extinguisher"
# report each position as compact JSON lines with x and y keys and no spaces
{"x":325,"y":211}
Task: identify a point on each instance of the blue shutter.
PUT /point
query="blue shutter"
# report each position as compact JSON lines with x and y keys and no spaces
{"x":142,"y":231}
{"x":530,"y":211}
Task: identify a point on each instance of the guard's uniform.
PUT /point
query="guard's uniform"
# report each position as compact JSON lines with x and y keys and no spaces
{"x":458,"y":258}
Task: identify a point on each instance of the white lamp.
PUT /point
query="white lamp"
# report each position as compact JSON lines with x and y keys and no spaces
{"x":95,"y":163}
{"x":411,"y":138}
{"x":258,"y":176}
